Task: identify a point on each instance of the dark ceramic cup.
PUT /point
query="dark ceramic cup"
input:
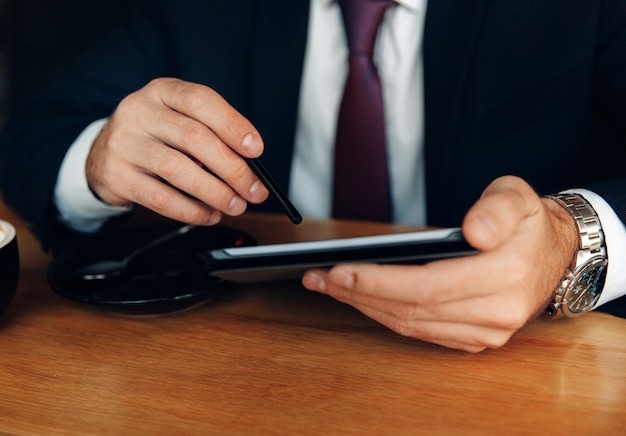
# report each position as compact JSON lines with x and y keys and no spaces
{"x":9,"y":264}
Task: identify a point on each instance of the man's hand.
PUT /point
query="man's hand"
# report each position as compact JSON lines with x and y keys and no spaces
{"x":175,"y":147}
{"x":476,"y":302}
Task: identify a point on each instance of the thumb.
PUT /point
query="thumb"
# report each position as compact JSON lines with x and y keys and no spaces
{"x":503,"y":205}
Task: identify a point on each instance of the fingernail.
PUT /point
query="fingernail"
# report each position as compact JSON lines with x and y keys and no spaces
{"x":251,"y":142}
{"x":343,"y":278}
{"x":258,"y":192}
{"x":215,"y":218}
{"x":237,"y":205}
{"x":314,"y":282}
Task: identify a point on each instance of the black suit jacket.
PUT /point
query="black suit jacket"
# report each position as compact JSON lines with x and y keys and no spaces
{"x":511,"y":87}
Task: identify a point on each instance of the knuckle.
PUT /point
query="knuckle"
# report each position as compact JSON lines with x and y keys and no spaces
{"x":194,"y":215}
{"x":129,"y":105}
{"x":240,"y":170}
{"x":373,"y":279}
{"x":512,"y":185}
{"x":514,"y":318}
{"x":195,"y":186}
{"x":510,"y":200}
{"x":109,"y":175}
{"x":496,"y":340}
{"x":115,"y":145}
{"x":160,"y":82}
{"x":156,"y":82}
{"x":194,"y":96}
{"x":165,"y":163}
{"x":402,"y":326}
{"x":195,"y":134}
{"x":404,"y":312}
{"x":157,"y":200}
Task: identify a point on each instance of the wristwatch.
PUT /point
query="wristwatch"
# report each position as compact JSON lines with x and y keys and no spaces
{"x":583,"y":282}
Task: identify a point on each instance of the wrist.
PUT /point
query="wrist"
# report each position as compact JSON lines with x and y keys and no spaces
{"x":583,"y":281}
{"x":565,"y":231}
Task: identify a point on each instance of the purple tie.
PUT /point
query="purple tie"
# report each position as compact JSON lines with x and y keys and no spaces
{"x":361,"y":179}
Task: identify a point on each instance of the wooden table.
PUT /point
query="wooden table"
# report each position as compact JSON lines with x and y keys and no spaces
{"x":277,"y":359}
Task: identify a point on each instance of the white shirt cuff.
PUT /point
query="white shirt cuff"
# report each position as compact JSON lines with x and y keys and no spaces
{"x":615,"y":241}
{"x":78,"y":207}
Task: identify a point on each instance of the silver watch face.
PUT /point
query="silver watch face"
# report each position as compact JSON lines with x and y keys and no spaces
{"x":585,"y":287}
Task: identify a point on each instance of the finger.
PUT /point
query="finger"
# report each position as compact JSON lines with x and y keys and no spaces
{"x":119,"y":167}
{"x":439,"y":324}
{"x":203,"y":145}
{"x":152,"y":193}
{"x":504,"y":310}
{"x":207,"y":106}
{"x":186,"y":175}
{"x":436,"y":282}
{"x":501,"y":311}
{"x":495,"y":216}
{"x":466,"y":337}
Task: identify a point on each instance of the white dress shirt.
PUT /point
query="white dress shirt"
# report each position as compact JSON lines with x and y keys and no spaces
{"x":399,"y":60}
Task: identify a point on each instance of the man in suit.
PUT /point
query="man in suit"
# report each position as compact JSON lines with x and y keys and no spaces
{"x":509,"y":88}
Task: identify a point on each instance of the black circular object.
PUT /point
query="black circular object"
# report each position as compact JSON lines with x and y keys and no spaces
{"x":9,"y":264}
{"x":168,"y":277}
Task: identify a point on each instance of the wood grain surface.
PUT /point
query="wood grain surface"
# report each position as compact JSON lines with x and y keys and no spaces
{"x":276,"y":359}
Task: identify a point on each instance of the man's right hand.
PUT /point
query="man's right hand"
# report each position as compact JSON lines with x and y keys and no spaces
{"x":176,"y":147}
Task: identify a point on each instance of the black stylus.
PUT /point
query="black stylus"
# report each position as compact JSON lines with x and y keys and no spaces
{"x":275,"y":191}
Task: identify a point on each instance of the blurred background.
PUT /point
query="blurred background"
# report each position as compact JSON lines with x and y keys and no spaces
{"x":3,"y":60}
{"x":37,"y":36}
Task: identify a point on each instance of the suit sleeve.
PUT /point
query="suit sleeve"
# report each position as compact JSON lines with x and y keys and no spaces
{"x":610,"y":98}
{"x":610,"y":103}
{"x":40,"y":129}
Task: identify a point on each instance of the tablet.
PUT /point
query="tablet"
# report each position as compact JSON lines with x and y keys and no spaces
{"x":289,"y":261}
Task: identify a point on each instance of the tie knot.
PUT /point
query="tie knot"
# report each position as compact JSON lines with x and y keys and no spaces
{"x":361,"y":19}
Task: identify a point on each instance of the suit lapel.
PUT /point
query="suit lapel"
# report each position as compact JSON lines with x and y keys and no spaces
{"x":451,"y":34}
{"x":277,"y":61}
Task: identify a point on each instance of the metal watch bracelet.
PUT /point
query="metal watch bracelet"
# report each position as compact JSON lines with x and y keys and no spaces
{"x":591,"y":251}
